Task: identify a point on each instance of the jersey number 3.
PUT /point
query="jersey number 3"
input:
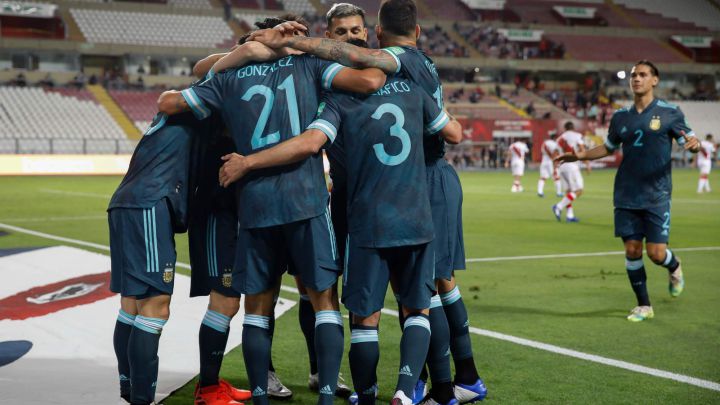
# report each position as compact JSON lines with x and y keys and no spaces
{"x":397,"y":131}
{"x":258,"y":140}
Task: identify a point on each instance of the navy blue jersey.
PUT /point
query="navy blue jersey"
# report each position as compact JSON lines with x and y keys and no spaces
{"x":206,"y":194}
{"x":386,"y":186}
{"x":644,"y":178}
{"x":420,"y":69}
{"x":263,"y":104}
{"x":160,"y":167}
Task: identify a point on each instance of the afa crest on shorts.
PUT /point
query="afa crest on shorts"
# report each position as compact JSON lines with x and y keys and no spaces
{"x":655,"y":123}
{"x":169,"y":273}
{"x":227,"y":278}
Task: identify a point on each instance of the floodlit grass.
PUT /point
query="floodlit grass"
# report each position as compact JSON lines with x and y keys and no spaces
{"x":578,"y":303}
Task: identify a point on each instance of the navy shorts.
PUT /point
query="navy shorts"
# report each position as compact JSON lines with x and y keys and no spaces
{"x":368,"y":271}
{"x":213,"y":241}
{"x":446,"y":198}
{"x":142,"y":251}
{"x":338,"y":214}
{"x":653,"y":224}
{"x":307,"y":248}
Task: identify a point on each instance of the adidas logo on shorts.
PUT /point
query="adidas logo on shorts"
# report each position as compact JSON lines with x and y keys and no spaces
{"x":405,"y":370}
{"x":326,"y":390}
{"x":258,"y":392}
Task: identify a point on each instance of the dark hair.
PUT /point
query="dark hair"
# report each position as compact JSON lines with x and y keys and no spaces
{"x":271,"y":22}
{"x":358,"y":42}
{"x":569,"y":125}
{"x":649,"y":64}
{"x":398,"y":17}
{"x":708,"y":136}
{"x":342,"y":10}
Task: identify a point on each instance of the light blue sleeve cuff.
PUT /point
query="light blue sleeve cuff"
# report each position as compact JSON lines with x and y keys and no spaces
{"x":681,"y":141}
{"x":438,"y":123}
{"x":326,"y":127}
{"x":196,"y":105}
{"x":397,"y":60}
{"x":329,"y":75}
{"x":610,"y":146}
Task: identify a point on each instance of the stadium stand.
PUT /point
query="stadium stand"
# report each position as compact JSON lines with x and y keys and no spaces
{"x":628,"y":49}
{"x":140,"y":106}
{"x":298,"y":6}
{"x":489,"y":42}
{"x":59,"y":121}
{"x":197,"y":4}
{"x":680,"y":14}
{"x":153,"y":29}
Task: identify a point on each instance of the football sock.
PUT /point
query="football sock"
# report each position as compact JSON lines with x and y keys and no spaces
{"x":413,"y":351}
{"x":636,"y":273}
{"x":143,"y":358}
{"x":213,"y":337}
{"x":329,"y":345}
{"x":570,"y":211}
{"x":256,"y":353}
{"x":121,"y":338}
{"x":364,"y":356}
{"x":567,"y":200}
{"x":424,"y":372}
{"x":541,"y":186}
{"x":460,"y":344}
{"x":439,"y":352}
{"x":671,"y":262}
{"x":271,"y":366}
{"x":558,"y":187}
{"x":306,"y":316}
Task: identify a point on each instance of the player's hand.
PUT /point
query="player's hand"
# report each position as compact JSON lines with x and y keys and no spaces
{"x":691,"y":142}
{"x":290,"y":28}
{"x":270,"y":37}
{"x":566,"y":158}
{"x":234,"y":168}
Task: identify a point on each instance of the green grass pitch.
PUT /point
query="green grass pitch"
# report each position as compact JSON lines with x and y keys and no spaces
{"x":577,"y":303}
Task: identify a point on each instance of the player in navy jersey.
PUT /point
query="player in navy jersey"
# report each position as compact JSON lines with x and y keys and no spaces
{"x":280,"y":99}
{"x":643,"y":183}
{"x":147,"y":209}
{"x":397,"y":32}
{"x":388,"y":214}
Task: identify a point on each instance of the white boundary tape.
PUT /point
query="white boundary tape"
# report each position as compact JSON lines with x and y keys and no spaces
{"x":711,"y":385}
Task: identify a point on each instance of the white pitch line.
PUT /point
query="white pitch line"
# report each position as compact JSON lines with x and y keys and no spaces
{"x":566,"y":255}
{"x":74,"y":193}
{"x":711,"y":385}
{"x":55,"y":219}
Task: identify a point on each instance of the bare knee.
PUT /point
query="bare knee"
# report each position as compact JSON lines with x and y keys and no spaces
{"x":656,"y":252}
{"x":373,"y":320}
{"x":578,"y":193}
{"x":155,"y":307}
{"x":260,"y":304}
{"x":633,"y":249}
{"x":228,"y":306}
{"x":445,"y":286}
{"x":326,"y":300}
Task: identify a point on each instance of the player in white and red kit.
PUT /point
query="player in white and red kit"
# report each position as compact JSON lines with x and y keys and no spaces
{"x":704,"y":163}
{"x":516,"y":161}
{"x":549,"y":150}
{"x":572,"y":180}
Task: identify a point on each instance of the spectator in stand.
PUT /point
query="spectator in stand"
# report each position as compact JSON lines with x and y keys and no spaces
{"x":93,"y":79}
{"x":530,"y":109}
{"x":79,"y":80}
{"x":47,"y":81}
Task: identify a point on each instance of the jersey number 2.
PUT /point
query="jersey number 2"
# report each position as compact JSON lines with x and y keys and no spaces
{"x":639,"y":134}
{"x":258,"y":140}
{"x":397,"y":131}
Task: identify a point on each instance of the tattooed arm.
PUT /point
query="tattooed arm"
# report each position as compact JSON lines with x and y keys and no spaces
{"x":330,"y":49}
{"x":172,"y":102}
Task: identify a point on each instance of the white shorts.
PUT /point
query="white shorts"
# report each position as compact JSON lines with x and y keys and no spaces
{"x":518,"y":168}
{"x":547,"y":169}
{"x":571,"y":177}
{"x":705,"y":167}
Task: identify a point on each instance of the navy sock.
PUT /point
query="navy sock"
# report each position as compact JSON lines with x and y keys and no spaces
{"x":671,"y":262}
{"x":306,"y":316}
{"x":460,"y":344}
{"x":213,"y":337}
{"x":364,"y":356}
{"x":329,"y":345}
{"x":271,"y":367}
{"x":121,"y":338}
{"x":144,"y":361}
{"x":438,"y":359}
{"x":413,"y":351}
{"x":636,"y":273}
{"x":256,"y":352}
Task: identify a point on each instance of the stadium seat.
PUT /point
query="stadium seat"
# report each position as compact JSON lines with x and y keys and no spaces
{"x":140,"y":28}
{"x":684,"y":15}
{"x":59,"y":121}
{"x":140,"y":106}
